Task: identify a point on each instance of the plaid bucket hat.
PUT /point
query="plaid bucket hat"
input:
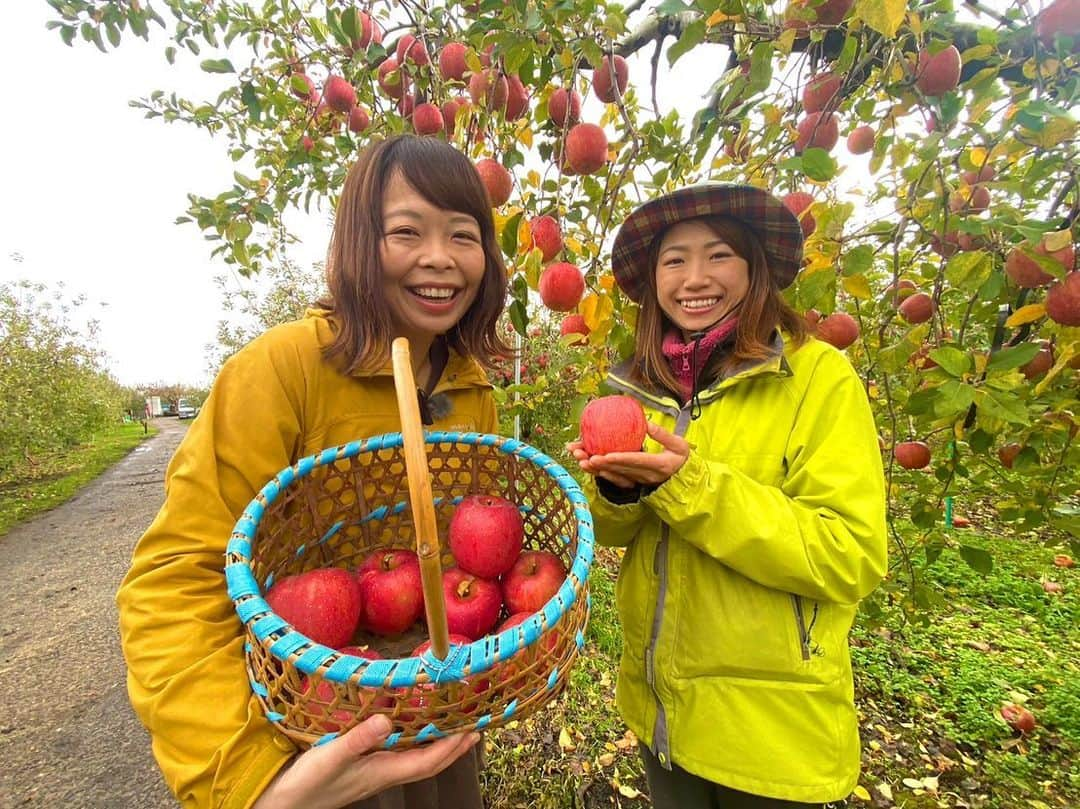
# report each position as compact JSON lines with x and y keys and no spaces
{"x":776,"y":227}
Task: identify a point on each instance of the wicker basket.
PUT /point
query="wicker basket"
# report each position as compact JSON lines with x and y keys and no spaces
{"x":334,"y":508}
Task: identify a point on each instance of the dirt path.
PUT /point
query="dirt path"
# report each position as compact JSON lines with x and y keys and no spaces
{"x":68,"y":737}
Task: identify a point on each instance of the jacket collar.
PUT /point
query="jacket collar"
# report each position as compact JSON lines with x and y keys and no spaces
{"x":775,"y":364}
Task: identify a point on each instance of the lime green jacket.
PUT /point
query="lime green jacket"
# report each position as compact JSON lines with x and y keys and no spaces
{"x":274,"y":402}
{"x":742,"y":573}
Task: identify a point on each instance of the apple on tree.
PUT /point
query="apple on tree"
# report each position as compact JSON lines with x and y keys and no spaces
{"x":912,"y":454}
{"x":486,"y":535}
{"x":561,"y":286}
{"x":838,"y":329}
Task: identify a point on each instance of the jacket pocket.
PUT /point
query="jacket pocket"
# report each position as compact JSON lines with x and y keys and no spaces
{"x":729,"y":625}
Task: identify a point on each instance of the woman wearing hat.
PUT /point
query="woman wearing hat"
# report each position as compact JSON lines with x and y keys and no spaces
{"x":754,"y":522}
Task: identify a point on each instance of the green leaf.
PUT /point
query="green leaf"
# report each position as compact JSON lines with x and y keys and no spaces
{"x":954,"y":398}
{"x":858,"y":260}
{"x":170,"y":55}
{"x":761,"y":66}
{"x":818,"y":164}
{"x":968,"y":268}
{"x":510,"y":234}
{"x":977,"y":559}
{"x":1067,"y":518}
{"x":954,"y":361}
{"x":67,"y":34}
{"x":251,"y":101}
{"x":1001,"y":405}
{"x":691,"y":37}
{"x":519,"y":317}
{"x":217,"y":66}
{"x":884,"y":16}
{"x":1009,"y":358}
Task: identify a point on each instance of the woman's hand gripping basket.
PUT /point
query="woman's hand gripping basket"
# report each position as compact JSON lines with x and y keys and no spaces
{"x":334,"y":508}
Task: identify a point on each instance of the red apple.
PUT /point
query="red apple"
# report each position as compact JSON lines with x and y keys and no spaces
{"x":1040,"y":363}
{"x":1026,"y":272}
{"x":971,"y":200}
{"x":450,"y":109}
{"x":819,"y":129}
{"x":535,"y":577}
{"x":338,"y":94}
{"x":489,"y":89}
{"x":391,"y":590}
{"x":411,"y":49}
{"x":427,"y":119}
{"x":575,"y":324}
{"x":829,"y":12}
{"x":1060,"y":17}
{"x":912,"y":454}
{"x":405,"y":105}
{"x":586,"y":148}
{"x":472,"y":603}
{"x":369,"y":31}
{"x":917,"y":308}
{"x":544,"y":232}
{"x":799,"y":202}
{"x":452,"y":63}
{"x":861,"y":139}
{"x":306,"y":143}
{"x":1063,"y":300}
{"x":939,"y":73}
{"x":613,"y":424}
{"x":393,"y":81}
{"x":564,"y":107}
{"x":496,"y":180}
{"x":904,"y":288}
{"x":1018,"y":717}
{"x":602,"y":83}
{"x":820,"y":91}
{"x":301,"y":85}
{"x":984,"y":174}
{"x":517,"y":98}
{"x":561,"y":286}
{"x":1063,"y":560}
{"x":838,"y":329}
{"x":486,"y":535}
{"x":1007,"y":454}
{"x":359,"y":119}
{"x":322,"y":604}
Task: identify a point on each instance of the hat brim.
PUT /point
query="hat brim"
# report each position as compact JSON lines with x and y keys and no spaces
{"x":776,"y":227}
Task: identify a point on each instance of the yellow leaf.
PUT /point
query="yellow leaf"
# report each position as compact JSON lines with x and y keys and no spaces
{"x":773,"y":114}
{"x":605,"y":759}
{"x":718,"y":17}
{"x":884,"y":16}
{"x":628,"y":791}
{"x":785,"y":41}
{"x":1026,"y":314}
{"x":597,"y":310}
{"x":861,"y":793}
{"x":573,"y":244}
{"x":1058,"y":240}
{"x":885,"y":790}
{"x":525,"y":134}
{"x":565,"y":742}
{"x":857,"y":286}
{"x":976,"y":156}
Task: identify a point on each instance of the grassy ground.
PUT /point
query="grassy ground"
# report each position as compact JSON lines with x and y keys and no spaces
{"x":48,"y":481}
{"x":928,"y":695}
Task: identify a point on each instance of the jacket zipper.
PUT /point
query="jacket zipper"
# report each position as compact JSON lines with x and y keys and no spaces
{"x":800,"y":623}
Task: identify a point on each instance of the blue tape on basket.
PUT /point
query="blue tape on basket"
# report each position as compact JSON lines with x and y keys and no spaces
{"x":333,"y":530}
{"x":287,"y":645}
{"x":270,"y":579}
{"x":451,"y":669}
{"x":259,"y":688}
{"x":588,"y":600}
{"x":239,"y":545}
{"x":300,"y":551}
{"x":239,"y":581}
{"x":304,"y":466}
{"x":268,"y":625}
{"x":509,"y":710}
{"x":329,"y":737}
{"x":247,"y":646}
{"x":251,"y":608}
{"x":343,"y":668}
{"x":553,"y":678}
{"x":378,"y":671}
{"x":391,"y":740}
{"x":313,"y":658}
{"x":579,"y":638}
{"x":482,"y":654}
{"x":483,"y":721}
{"x":428,"y":733}
{"x":274,"y":716}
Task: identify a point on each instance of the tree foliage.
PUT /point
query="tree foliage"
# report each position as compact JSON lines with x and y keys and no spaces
{"x":963,"y":177}
{"x":55,"y":390}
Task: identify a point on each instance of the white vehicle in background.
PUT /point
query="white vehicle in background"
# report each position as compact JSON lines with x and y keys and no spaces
{"x":186,"y":409}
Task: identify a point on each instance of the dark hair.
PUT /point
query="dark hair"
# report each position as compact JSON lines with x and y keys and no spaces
{"x":444,"y":177}
{"x":760,"y":312}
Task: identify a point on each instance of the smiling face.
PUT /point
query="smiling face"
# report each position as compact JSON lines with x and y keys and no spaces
{"x":432,"y":260}
{"x":699,"y":278}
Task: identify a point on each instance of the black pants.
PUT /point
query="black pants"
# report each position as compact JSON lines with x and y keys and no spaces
{"x":678,"y":789}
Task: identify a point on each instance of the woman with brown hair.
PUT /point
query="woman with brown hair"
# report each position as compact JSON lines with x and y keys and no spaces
{"x":753,"y":521}
{"x":413,"y":253}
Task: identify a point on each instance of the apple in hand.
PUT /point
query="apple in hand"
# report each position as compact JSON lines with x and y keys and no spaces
{"x":613,"y":424}
{"x":391,"y":591}
{"x":322,"y":604}
{"x":486,"y":535}
{"x":472,"y":603}
{"x":535,"y":577}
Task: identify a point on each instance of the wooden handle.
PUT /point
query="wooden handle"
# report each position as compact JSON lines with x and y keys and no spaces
{"x":421,"y":499}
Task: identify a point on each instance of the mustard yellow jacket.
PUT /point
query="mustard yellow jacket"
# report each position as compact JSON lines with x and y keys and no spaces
{"x":742,"y":573}
{"x":274,"y":402}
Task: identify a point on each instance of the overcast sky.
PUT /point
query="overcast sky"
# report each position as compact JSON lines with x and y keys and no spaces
{"x":91,"y":188}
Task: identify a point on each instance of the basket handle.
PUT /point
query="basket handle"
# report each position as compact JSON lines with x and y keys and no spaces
{"x":420,"y":497}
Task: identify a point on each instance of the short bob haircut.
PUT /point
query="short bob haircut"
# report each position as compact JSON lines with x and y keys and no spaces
{"x":760,"y":313}
{"x":444,"y":177}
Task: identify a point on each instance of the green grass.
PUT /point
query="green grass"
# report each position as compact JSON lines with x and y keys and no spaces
{"x":51,"y":480}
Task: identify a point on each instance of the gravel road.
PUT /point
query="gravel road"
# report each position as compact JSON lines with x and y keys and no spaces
{"x":68,"y":737}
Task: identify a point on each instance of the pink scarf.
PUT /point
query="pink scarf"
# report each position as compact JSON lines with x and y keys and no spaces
{"x":679,"y":353}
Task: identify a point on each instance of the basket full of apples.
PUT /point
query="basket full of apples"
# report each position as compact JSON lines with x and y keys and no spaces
{"x":440,"y":579}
